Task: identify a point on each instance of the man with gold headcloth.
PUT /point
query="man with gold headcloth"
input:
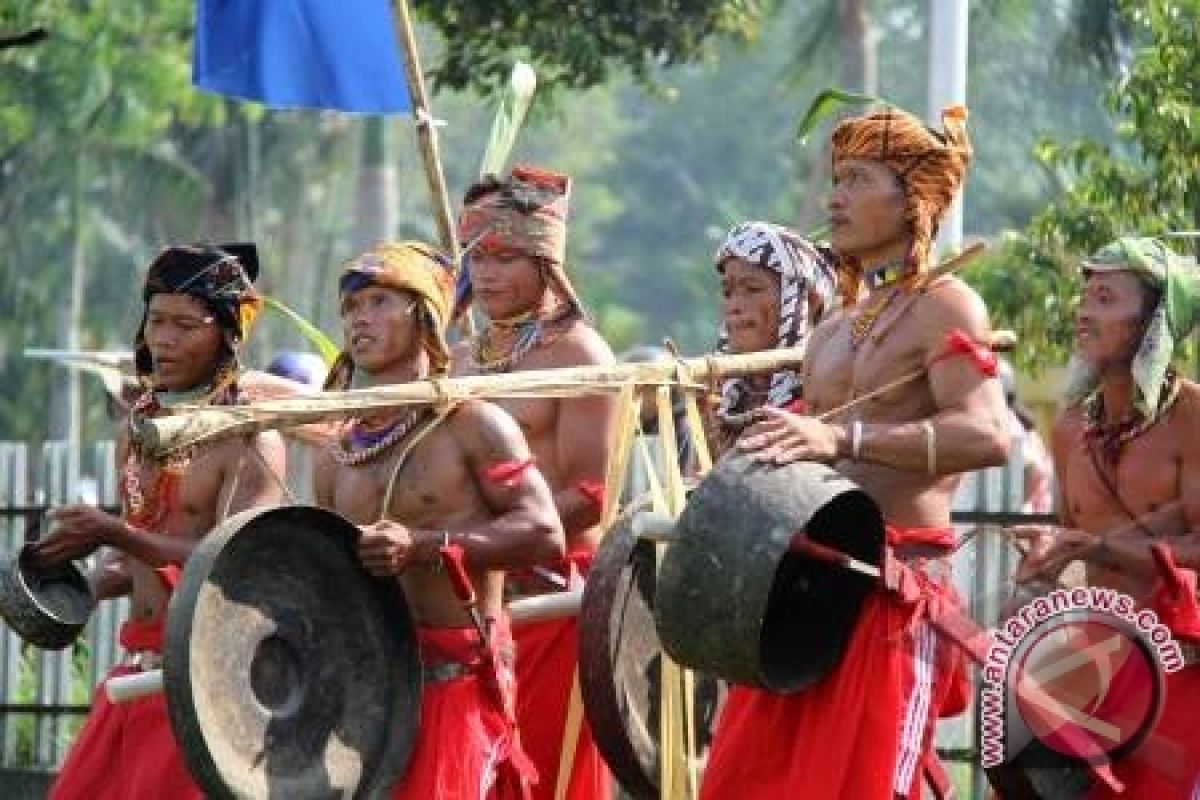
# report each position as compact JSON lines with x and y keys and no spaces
{"x":439,"y":493}
{"x":865,"y":730}
{"x":200,"y":302}
{"x":515,"y":231}
{"x":1128,"y":462}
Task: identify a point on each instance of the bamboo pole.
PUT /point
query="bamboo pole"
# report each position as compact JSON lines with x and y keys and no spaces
{"x":198,"y":425}
{"x":427,"y":140}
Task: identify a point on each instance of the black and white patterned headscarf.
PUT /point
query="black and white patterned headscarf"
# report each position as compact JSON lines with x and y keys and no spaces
{"x":805,"y":272}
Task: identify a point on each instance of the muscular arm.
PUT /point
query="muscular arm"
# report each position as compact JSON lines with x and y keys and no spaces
{"x":584,"y":432}
{"x":969,"y":429}
{"x":525,"y":529}
{"x":249,"y":478}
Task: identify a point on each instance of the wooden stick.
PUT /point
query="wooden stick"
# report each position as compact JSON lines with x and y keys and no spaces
{"x":427,"y":140}
{"x":164,"y":435}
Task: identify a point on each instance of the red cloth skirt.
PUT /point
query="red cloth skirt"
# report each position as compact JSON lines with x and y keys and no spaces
{"x":1174,"y":601}
{"x":126,"y":751}
{"x":865,"y":729}
{"x":547,"y":656}
{"x":467,"y":747}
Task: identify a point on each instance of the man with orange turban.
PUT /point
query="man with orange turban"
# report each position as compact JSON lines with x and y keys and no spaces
{"x":422,"y":486}
{"x":200,"y":301}
{"x":515,"y":233}
{"x":865,"y":730}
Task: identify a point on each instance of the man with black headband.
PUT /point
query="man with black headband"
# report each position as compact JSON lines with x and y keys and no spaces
{"x":515,"y":231}
{"x":200,"y":301}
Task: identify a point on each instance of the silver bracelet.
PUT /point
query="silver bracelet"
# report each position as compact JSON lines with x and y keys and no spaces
{"x":930,"y":446}
{"x":856,"y":434}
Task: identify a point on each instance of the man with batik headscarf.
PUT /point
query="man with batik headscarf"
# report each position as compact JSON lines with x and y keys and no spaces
{"x":436,"y":490}
{"x":199,"y":304}
{"x":775,"y":286}
{"x":1128,"y":463}
{"x":866,"y":729}
{"x":514,"y":231}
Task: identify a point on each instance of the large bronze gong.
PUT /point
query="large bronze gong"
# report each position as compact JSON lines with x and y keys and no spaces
{"x":290,"y":672}
{"x":620,"y":655}
{"x":735,"y":602}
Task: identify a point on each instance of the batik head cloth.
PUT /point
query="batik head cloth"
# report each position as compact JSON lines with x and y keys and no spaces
{"x":807,"y":285}
{"x":930,"y":166}
{"x":220,"y":276}
{"x":1177,"y":281}
{"x":408,"y":267}
{"x":524,"y":213}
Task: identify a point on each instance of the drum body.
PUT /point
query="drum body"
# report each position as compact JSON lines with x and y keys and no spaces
{"x":734,"y":601}
{"x":46,"y":607}
{"x":289,"y":671}
{"x":620,"y":660}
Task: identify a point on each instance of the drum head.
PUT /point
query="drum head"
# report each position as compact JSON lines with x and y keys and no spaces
{"x":620,"y":660}
{"x":290,"y":673}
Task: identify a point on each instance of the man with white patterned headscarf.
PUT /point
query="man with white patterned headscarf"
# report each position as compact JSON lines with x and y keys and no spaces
{"x":769,"y":274}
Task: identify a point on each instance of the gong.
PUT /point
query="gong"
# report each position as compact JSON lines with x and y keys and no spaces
{"x":291,"y":673}
{"x":736,"y":601}
{"x":620,"y":659}
{"x":47,"y":607}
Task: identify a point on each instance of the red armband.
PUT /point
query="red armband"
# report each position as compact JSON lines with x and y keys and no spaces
{"x":508,"y":473}
{"x":797,"y":406}
{"x":593,"y":492}
{"x":168,"y":576}
{"x":959,"y":344}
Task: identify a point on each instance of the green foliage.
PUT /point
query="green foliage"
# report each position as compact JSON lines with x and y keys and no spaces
{"x":577,"y":45}
{"x":1146,"y":182}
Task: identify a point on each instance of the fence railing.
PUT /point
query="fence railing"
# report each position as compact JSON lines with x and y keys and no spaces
{"x":43,"y":695}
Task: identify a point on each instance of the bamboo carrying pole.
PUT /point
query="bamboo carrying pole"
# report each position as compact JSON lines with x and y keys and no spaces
{"x":426,"y":134}
{"x":164,"y":435}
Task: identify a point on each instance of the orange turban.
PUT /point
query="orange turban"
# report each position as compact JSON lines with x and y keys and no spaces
{"x":929,"y":164}
{"x":409,"y":267}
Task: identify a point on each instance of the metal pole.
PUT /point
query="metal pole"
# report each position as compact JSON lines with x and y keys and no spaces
{"x":948,"y":86}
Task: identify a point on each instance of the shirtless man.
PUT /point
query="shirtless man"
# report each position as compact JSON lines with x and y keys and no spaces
{"x":1128,"y":462}
{"x":517,"y":232}
{"x":200,"y":302}
{"x":866,"y":729}
{"x":428,"y":480}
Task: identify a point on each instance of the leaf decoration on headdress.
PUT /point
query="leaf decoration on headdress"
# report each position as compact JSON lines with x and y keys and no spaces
{"x":315,"y":336}
{"x":826,"y":103}
{"x":514,"y":102}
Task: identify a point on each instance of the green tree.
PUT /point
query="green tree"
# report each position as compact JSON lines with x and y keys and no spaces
{"x":1145,"y":181}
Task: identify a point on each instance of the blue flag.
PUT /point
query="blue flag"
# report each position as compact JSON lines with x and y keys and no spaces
{"x":332,"y":54}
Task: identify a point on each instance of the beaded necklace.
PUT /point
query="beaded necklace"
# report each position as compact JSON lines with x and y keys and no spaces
{"x":531,"y":333}
{"x":1111,"y":438}
{"x":361,"y":444}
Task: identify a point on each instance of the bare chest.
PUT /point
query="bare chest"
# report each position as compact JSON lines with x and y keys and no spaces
{"x":431,"y":485}
{"x":843,"y":369}
{"x":1146,"y":478}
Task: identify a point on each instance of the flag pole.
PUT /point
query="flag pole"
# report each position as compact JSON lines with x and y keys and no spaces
{"x":426,"y":134}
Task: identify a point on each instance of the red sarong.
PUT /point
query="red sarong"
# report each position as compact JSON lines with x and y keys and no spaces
{"x":466,"y":748}
{"x":1174,"y":601}
{"x":547,"y":655}
{"x":126,"y":751}
{"x":864,"y":730}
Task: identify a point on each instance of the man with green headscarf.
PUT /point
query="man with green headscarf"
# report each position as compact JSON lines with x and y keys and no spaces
{"x":1127,"y":454}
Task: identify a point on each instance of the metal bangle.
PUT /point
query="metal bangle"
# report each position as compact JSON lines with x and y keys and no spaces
{"x":856,"y":435}
{"x":930,"y":447}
